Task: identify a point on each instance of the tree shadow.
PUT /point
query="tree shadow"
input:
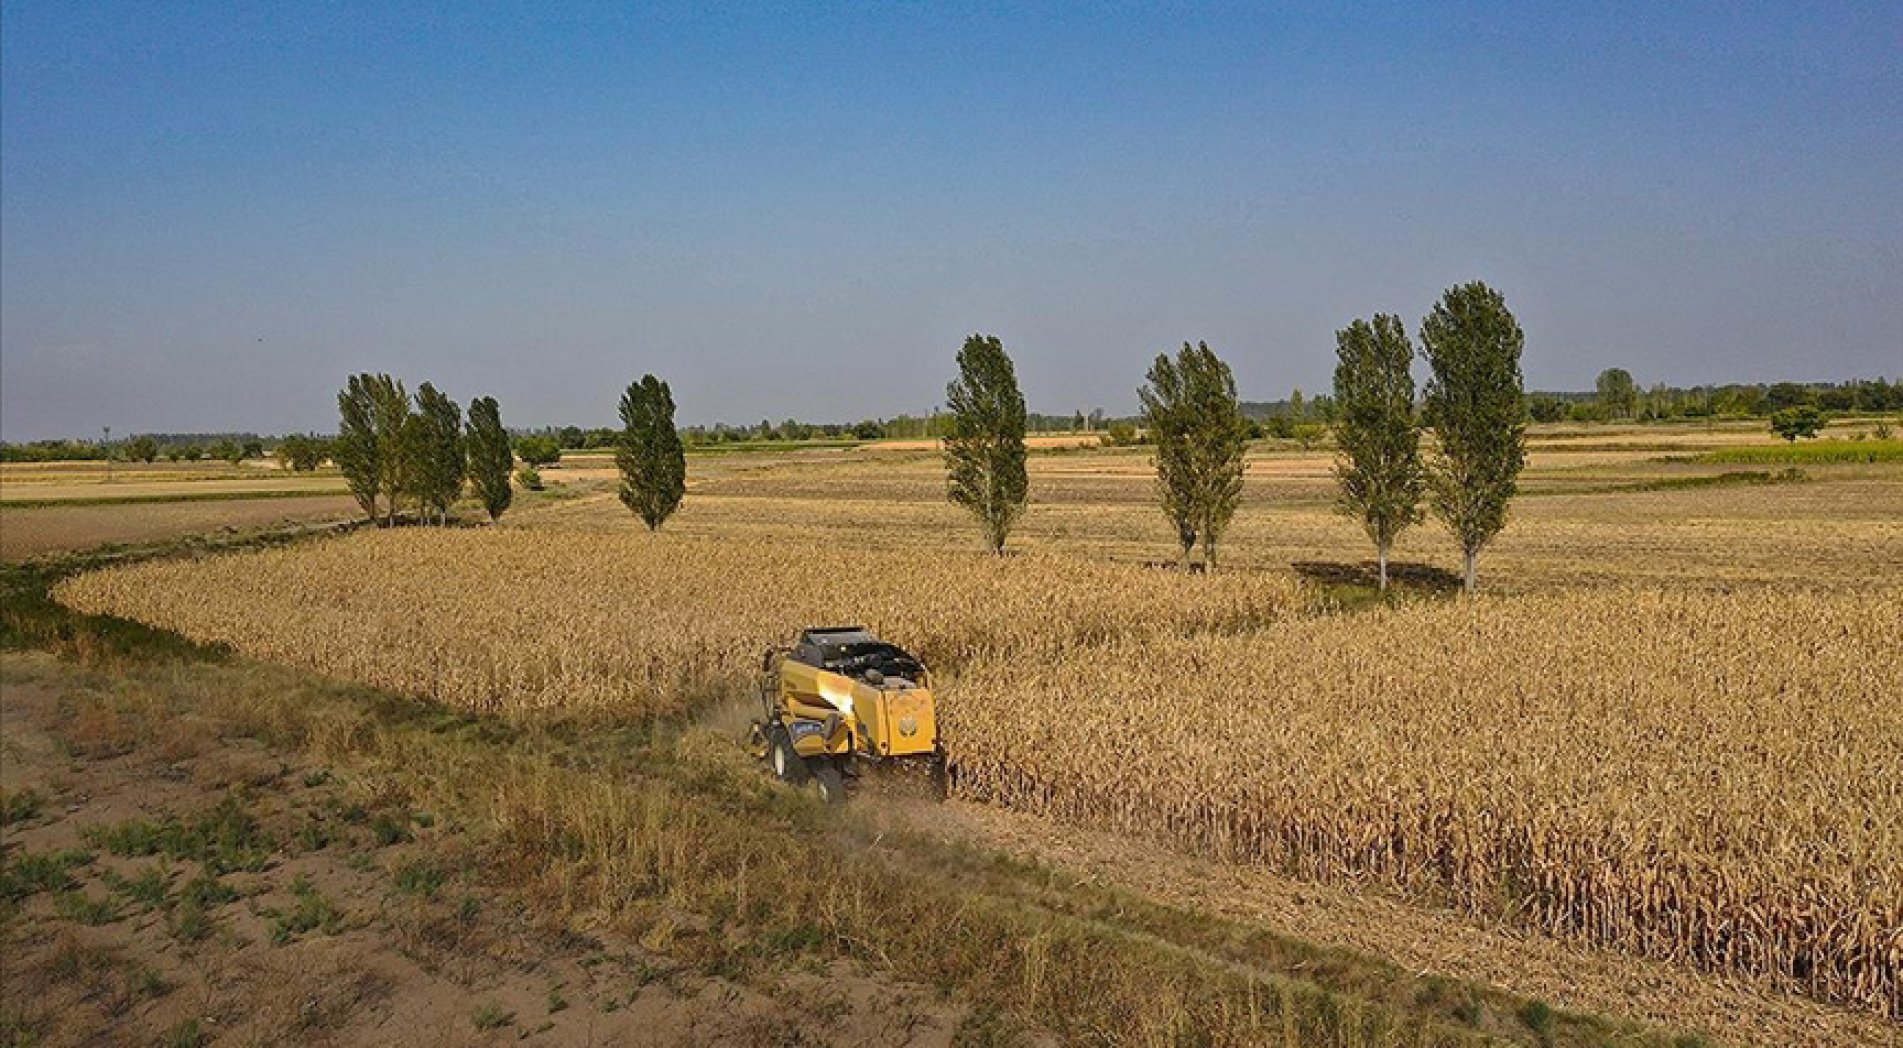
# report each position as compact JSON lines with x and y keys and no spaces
{"x":1366,"y":575}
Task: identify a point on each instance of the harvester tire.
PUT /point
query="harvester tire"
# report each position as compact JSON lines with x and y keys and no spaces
{"x":787,"y":763}
{"x":831,"y":782}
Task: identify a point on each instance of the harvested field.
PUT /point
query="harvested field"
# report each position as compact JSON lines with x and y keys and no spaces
{"x":1578,"y":524}
{"x":40,"y":481}
{"x":135,"y":491}
{"x":44,"y":530}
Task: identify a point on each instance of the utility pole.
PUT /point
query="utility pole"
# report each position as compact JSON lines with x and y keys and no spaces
{"x":108,"y":430}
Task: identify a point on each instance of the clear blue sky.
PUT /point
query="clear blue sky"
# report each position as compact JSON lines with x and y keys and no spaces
{"x":210,"y":214}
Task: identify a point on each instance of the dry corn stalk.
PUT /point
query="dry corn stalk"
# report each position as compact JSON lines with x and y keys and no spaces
{"x":1716,"y":779}
{"x":504,"y":620}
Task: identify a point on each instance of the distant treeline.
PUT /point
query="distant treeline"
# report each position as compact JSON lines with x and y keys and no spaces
{"x":149,"y":447}
{"x":1617,"y":398}
{"x":1284,"y":418}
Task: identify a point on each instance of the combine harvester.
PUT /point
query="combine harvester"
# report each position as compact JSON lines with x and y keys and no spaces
{"x":838,"y":697}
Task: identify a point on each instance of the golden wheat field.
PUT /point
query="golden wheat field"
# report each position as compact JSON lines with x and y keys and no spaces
{"x":504,"y":620}
{"x":1707,"y":778}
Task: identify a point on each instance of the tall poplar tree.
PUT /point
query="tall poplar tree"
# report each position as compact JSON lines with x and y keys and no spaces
{"x":984,"y":452}
{"x":490,"y":460}
{"x":1476,"y":405}
{"x":1379,"y":464}
{"x":436,"y":459}
{"x":355,"y":449}
{"x":649,"y":454}
{"x":372,"y":412}
{"x":1193,"y":416}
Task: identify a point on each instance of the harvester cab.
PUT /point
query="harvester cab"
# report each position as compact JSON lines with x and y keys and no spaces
{"x":837,"y":697}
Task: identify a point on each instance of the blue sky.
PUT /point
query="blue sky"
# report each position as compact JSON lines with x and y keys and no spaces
{"x":210,"y":214}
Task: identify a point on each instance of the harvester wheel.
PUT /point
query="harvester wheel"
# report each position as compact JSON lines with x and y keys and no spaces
{"x":787,"y":763}
{"x":831,"y":782}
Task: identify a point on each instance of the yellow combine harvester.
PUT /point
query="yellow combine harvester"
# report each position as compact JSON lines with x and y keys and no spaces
{"x":839,"y":696}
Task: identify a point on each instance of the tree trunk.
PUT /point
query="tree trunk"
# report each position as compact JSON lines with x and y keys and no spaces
{"x":1381,"y":554}
{"x":1209,"y":552}
{"x":1472,"y":580}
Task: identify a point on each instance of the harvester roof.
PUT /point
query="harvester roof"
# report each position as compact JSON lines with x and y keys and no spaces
{"x":853,"y":650}
{"x":830,"y":635}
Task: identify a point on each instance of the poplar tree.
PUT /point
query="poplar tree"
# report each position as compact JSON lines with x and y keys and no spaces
{"x":984,"y":452}
{"x":435,"y":457}
{"x":649,"y":454}
{"x":1379,"y":464}
{"x":1477,"y":408}
{"x":490,"y":460}
{"x":1193,"y":416}
{"x":372,"y":410}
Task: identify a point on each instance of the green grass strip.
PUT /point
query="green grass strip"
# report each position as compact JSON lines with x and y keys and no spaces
{"x":1821,"y":452}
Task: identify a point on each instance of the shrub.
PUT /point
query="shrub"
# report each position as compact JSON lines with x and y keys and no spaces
{"x":1792,"y":423}
{"x":538,"y":451}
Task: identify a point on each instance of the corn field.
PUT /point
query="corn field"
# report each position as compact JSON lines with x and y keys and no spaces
{"x":506,"y":620}
{"x":1710,"y":779}
{"x":1714,"y":779}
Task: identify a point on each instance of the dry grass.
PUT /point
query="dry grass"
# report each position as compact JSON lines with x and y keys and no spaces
{"x":1715,"y":779}
{"x":507,"y":620}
